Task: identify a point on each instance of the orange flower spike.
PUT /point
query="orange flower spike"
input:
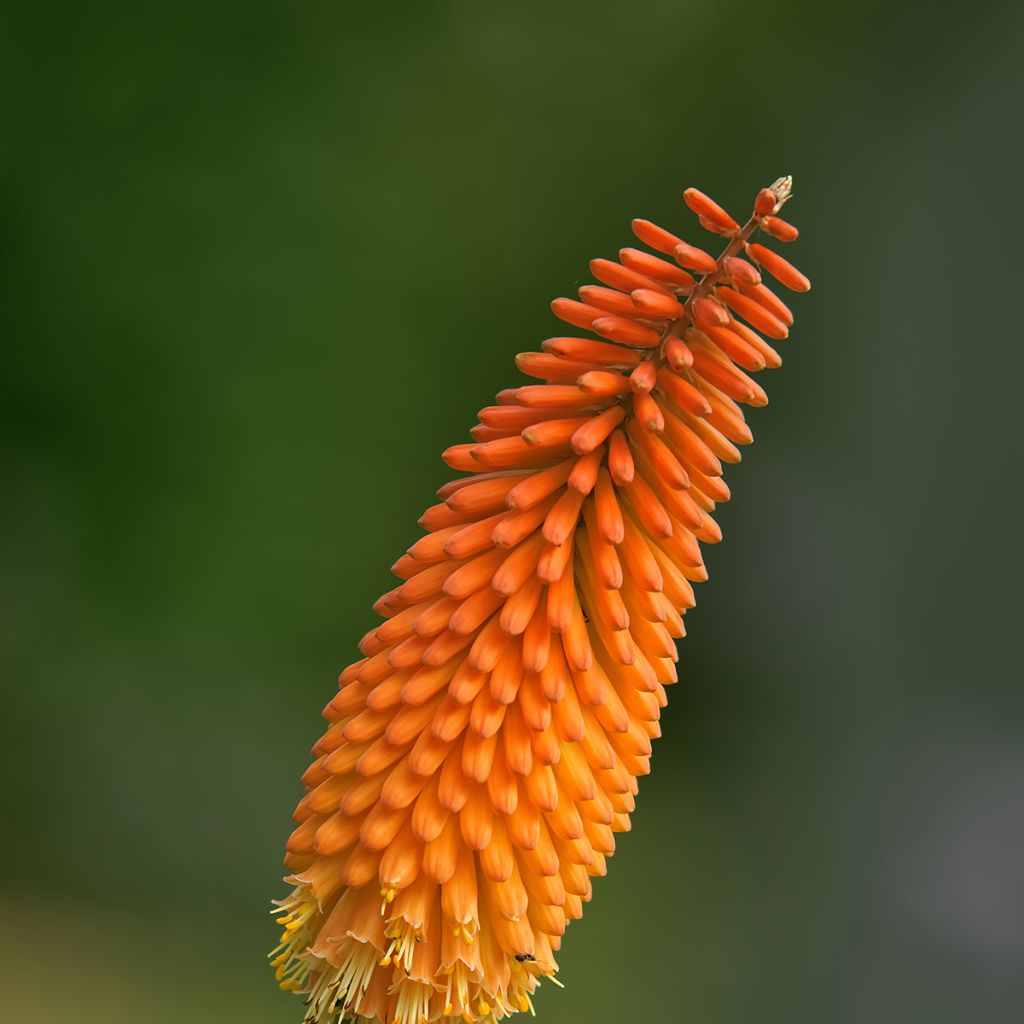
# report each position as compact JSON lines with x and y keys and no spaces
{"x":479,"y":760}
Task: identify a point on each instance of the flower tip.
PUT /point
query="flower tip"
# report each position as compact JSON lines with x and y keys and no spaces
{"x":782,"y":189}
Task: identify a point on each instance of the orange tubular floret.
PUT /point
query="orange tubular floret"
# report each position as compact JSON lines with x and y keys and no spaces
{"x":754,"y":313}
{"x":656,"y":269}
{"x":626,"y":280}
{"x":656,"y":305}
{"x":481,"y":756}
{"x":780,"y":229}
{"x":626,"y":332}
{"x":600,"y":353}
{"x":657,"y":238}
{"x":693,"y":258}
{"x":707,"y":208}
{"x":550,"y":367}
{"x":779,"y":268}
{"x":608,"y":299}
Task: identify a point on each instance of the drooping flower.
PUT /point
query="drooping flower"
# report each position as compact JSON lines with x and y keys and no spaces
{"x":480,"y":758}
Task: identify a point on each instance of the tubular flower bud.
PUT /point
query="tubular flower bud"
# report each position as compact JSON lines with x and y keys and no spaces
{"x":781,"y":269}
{"x":707,"y":209}
{"x":780,"y":229}
{"x":481,"y":756}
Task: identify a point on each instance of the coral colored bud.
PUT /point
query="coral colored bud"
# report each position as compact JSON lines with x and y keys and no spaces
{"x":459,"y":456}
{"x":657,"y":238}
{"x":709,"y":311}
{"x":655,"y":268}
{"x":772,"y":359}
{"x":683,"y":393}
{"x":617,"y":328}
{"x":767,"y":298}
{"x":607,"y":299}
{"x":741,"y":271}
{"x":765,"y":202}
{"x":620,"y":461}
{"x":553,"y":431}
{"x":656,"y":305}
{"x":679,"y":357}
{"x":643,"y":377}
{"x":695,"y":259}
{"x":707,"y":208}
{"x":625,"y":280}
{"x":545,"y":366}
{"x":720,"y":373}
{"x":735,"y":347}
{"x":575,"y":313}
{"x":754,"y":313}
{"x":649,"y":413}
{"x":552,"y":396}
{"x":780,"y":229}
{"x":604,"y":383}
{"x":779,"y":268}
{"x":710,"y":225}
{"x":584,"y":473}
{"x":587,"y":350}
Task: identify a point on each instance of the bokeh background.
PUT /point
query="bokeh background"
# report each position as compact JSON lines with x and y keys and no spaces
{"x":262,"y":263}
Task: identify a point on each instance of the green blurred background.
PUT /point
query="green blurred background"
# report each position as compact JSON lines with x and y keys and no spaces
{"x":262,"y":263}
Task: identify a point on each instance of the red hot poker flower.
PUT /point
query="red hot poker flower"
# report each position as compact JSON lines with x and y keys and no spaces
{"x":480,"y":758}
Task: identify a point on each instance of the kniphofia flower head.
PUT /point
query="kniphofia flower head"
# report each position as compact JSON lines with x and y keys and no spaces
{"x":480,"y":758}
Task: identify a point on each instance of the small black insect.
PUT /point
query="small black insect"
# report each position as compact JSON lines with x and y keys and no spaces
{"x":522,"y":957}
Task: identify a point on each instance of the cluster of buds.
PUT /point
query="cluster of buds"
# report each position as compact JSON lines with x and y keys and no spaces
{"x":483,"y":754}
